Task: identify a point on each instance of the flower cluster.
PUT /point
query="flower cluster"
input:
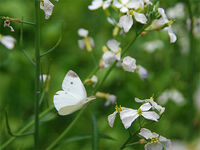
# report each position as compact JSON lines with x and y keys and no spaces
{"x":131,"y":12}
{"x":155,"y":141}
{"x":129,"y":115}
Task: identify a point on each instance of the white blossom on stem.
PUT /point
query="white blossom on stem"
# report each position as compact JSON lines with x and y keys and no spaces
{"x":110,"y":98}
{"x":154,"y":105}
{"x":126,"y":21}
{"x":155,"y":141}
{"x":7,"y":41}
{"x":173,"y":95}
{"x":47,"y":7}
{"x":99,"y":3}
{"x":111,"y":117}
{"x":128,"y":115}
{"x":142,"y":72}
{"x":111,"y":53}
{"x":129,"y":64}
{"x":125,"y":5}
{"x":87,"y":42}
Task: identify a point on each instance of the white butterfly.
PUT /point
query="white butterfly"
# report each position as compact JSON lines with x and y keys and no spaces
{"x":73,"y":96}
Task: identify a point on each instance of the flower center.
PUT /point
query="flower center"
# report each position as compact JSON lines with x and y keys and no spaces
{"x":170,"y":22}
{"x":130,"y":12}
{"x":139,"y":111}
{"x":1,"y":36}
{"x":119,"y":51}
{"x":118,"y":108}
{"x":105,"y":49}
{"x":155,"y":140}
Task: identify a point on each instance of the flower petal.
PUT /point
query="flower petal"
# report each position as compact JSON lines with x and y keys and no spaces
{"x":139,"y":100}
{"x":106,"y":4}
{"x":146,"y":133}
{"x":82,"y":32}
{"x":111,"y":119}
{"x":8,"y":41}
{"x":108,"y":59}
{"x":129,"y":64}
{"x":151,"y":115}
{"x":140,"y":17}
{"x":113,"y":45}
{"x":127,"y":116}
{"x":47,"y":7}
{"x":135,"y":4}
{"x":95,"y":4}
{"x":81,"y":44}
{"x":172,"y":35}
{"x":166,"y":142}
{"x":145,"y":107}
{"x":125,"y":22}
{"x":153,"y":146}
{"x":117,"y":4}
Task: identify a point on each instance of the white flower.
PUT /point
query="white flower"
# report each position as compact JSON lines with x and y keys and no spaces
{"x":143,"y":73}
{"x":99,"y":3}
{"x":148,"y":2}
{"x":125,"y":5}
{"x":126,"y":21}
{"x":128,"y":115}
{"x":129,"y":64}
{"x":162,"y":22}
{"x":177,"y":12}
{"x":173,"y":95}
{"x":110,"y":98}
{"x":108,"y":59}
{"x":7,"y":41}
{"x":154,"y":105}
{"x":156,"y":142}
{"x":47,"y":7}
{"x":86,"y":42}
{"x":153,"y":45}
{"x":111,"y":117}
{"x":112,"y":53}
{"x":93,"y":80}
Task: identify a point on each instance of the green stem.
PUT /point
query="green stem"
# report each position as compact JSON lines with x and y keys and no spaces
{"x":26,"y":127}
{"x":37,"y":72}
{"x":66,"y":130}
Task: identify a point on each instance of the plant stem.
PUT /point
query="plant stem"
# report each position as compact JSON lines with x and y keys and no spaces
{"x":37,"y":72}
{"x":66,"y":130}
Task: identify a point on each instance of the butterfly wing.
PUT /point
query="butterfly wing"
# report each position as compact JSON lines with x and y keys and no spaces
{"x":66,"y":103}
{"x":73,"y":84}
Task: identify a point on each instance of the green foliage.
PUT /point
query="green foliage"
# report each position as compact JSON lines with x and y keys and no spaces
{"x":168,"y":68}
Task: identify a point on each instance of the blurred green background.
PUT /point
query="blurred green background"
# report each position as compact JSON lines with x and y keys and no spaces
{"x":169,"y":67}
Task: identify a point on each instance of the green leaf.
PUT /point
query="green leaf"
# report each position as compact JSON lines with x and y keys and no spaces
{"x":95,"y":135}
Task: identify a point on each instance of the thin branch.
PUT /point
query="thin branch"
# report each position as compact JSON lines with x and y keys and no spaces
{"x":26,"y":127}
{"x":28,"y":57}
{"x":54,"y":47}
{"x":10,"y":131}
